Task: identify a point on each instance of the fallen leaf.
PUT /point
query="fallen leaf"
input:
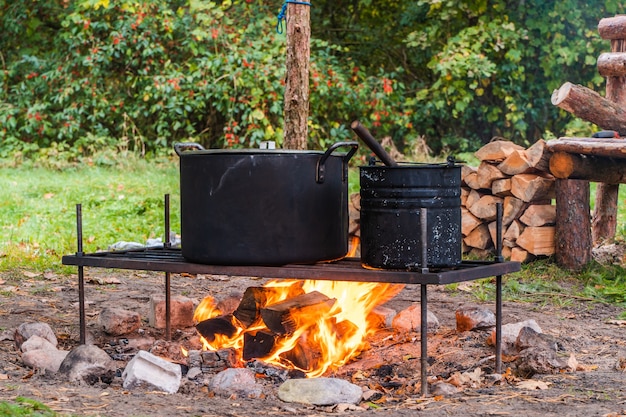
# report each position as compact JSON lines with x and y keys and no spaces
{"x":532,"y":384}
{"x":103,"y":281}
{"x":31,"y":274}
{"x":586,"y":368}
{"x":572,"y":363}
{"x":617,"y":322}
{"x":4,"y":377}
{"x":48,"y":196}
{"x":50,"y":276}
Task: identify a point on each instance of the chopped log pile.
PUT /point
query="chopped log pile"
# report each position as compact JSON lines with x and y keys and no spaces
{"x":519,"y":179}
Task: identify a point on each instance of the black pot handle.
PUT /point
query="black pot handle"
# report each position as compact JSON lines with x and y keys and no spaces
{"x":179,"y":148}
{"x":321,"y":163}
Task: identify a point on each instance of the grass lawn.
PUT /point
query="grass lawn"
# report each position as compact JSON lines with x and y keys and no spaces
{"x":38,"y":209}
{"x":125,"y":203}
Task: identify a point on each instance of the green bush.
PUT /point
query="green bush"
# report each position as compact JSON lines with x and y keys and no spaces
{"x":89,"y":75}
{"x":140,"y":75}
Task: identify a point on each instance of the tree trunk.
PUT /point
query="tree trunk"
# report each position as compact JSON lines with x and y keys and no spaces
{"x":297,"y":82}
{"x":573,"y":244}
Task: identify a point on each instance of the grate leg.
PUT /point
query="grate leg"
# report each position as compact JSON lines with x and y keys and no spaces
{"x":167,"y":244}
{"x":424,"y":339}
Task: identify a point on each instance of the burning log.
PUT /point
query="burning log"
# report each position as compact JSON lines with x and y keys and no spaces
{"x":212,"y":327}
{"x":284,"y":317}
{"x":304,"y":354}
{"x":255,"y":298}
{"x":258,"y":344}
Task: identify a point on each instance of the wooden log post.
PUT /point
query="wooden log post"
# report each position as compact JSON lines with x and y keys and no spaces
{"x":296,"y":110}
{"x":604,"y":222}
{"x":573,"y":243}
{"x":575,"y":158}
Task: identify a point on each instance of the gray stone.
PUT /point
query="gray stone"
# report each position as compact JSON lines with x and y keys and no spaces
{"x":90,"y":364}
{"x":509,"y":335}
{"x":26,"y":330}
{"x":474,"y":318}
{"x":181,"y":312}
{"x":49,"y":360}
{"x":410,"y":319}
{"x":117,"y":321}
{"x":147,"y":370}
{"x":443,"y":388}
{"x":528,"y":338}
{"x":320,"y":391}
{"x":533,"y":361}
{"x":193,"y":373}
{"x":239,"y":381}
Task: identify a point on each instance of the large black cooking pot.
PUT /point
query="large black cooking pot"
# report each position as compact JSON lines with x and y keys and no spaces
{"x":263,"y":207}
{"x":392,"y":199}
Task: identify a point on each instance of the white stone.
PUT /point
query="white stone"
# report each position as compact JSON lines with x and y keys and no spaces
{"x":147,"y":370}
{"x":320,"y":391}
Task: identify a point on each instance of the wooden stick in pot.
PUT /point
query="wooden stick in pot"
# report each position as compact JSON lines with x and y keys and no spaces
{"x":373,"y":144}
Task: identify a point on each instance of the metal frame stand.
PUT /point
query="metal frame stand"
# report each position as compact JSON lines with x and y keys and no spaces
{"x":169,"y":260}
{"x":81,"y":275}
{"x":424,"y":298}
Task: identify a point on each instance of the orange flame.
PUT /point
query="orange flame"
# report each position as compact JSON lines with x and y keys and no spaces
{"x":322,"y":339}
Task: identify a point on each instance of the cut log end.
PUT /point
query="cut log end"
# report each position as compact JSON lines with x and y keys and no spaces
{"x":562,"y":165}
{"x":561,"y":94}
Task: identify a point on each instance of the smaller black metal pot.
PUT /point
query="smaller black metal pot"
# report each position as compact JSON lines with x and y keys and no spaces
{"x":391,"y":203}
{"x":264,"y":207}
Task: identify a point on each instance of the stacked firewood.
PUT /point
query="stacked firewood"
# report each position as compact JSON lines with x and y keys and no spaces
{"x":518,"y":178}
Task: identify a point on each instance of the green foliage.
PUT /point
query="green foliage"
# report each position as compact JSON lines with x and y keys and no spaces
{"x":140,"y":75}
{"x":87,"y":75}
{"x":476,"y":69}
{"x":25,"y":407}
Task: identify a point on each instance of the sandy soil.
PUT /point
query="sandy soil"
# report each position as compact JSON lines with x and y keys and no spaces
{"x":587,"y":330}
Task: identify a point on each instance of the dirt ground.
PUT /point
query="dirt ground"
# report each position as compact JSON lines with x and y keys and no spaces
{"x":587,"y":330}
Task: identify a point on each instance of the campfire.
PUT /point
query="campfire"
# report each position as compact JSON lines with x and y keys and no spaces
{"x":311,"y":326}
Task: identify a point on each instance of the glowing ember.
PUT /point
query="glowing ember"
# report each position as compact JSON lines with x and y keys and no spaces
{"x":311,"y":325}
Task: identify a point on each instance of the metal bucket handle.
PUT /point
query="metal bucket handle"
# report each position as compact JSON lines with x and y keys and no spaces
{"x":179,"y":148}
{"x":321,"y":163}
